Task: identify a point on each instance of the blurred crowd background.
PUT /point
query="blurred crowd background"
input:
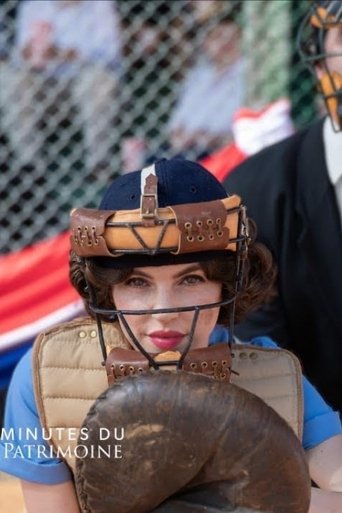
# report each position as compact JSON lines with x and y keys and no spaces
{"x":90,"y":89}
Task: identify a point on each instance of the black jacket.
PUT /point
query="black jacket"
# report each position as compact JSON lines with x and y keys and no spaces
{"x":287,"y":192}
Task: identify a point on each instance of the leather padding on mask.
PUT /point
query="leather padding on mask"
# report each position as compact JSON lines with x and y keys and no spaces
{"x":190,"y":444}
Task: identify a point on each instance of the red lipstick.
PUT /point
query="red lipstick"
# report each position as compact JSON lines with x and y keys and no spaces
{"x":166,"y":339}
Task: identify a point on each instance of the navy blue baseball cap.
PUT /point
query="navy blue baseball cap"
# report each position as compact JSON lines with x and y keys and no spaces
{"x":180,"y":182}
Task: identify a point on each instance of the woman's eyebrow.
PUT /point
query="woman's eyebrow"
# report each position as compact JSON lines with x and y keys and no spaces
{"x":190,"y":269}
{"x":138,"y":272}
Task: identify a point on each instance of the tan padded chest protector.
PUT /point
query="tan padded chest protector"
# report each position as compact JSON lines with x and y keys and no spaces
{"x":68,"y":377}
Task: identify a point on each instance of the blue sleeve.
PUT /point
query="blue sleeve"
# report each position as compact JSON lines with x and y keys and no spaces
{"x":321,"y":422}
{"x":218,"y":335}
{"x":26,"y":456}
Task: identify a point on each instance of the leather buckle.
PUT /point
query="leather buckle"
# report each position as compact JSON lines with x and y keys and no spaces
{"x":148,"y":206}
{"x":149,"y":198}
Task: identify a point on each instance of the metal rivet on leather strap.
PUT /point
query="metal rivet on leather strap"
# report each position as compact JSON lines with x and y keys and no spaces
{"x":253,"y":356}
{"x":82,"y":334}
{"x":243,"y":356}
{"x":93,"y":334}
{"x":94,"y":236}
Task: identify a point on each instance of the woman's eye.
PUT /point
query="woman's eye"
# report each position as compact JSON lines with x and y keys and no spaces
{"x":136,"y":282}
{"x":193,"y":279}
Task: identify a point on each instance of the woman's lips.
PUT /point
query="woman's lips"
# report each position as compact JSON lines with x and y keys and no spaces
{"x":166,"y":339}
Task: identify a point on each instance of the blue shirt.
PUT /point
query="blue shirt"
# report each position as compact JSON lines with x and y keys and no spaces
{"x":320,"y":423}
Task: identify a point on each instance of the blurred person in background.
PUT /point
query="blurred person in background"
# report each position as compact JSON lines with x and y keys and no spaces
{"x":67,"y":54}
{"x":157,"y":47}
{"x":293,"y":190}
{"x":213,"y":88}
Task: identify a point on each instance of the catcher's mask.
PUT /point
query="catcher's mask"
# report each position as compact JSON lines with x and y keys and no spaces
{"x":323,"y":16}
{"x":172,"y":212}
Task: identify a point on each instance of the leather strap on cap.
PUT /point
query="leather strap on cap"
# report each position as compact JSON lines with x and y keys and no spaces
{"x":202,"y":227}
{"x":149,"y":193}
{"x":324,"y":18}
{"x":88,"y":227}
{"x":212,"y":225}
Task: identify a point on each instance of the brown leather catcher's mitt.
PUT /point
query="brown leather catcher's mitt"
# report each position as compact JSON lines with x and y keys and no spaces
{"x":191,"y":445}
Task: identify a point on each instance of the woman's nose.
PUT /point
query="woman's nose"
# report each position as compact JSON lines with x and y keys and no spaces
{"x":165,"y":300}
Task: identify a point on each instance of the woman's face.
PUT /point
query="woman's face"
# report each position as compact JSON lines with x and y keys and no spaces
{"x":166,"y":287}
{"x":333,"y":46}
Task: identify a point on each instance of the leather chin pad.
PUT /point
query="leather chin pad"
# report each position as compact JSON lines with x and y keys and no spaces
{"x":191,"y":444}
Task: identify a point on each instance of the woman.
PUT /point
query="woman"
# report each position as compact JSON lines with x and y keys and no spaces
{"x":168,"y":256}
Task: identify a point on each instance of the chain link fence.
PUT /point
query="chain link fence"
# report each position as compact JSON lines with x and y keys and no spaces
{"x":90,"y":89}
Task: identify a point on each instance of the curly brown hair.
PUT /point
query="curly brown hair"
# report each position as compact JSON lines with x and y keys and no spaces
{"x":257,"y":283}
